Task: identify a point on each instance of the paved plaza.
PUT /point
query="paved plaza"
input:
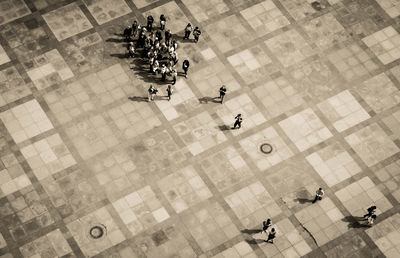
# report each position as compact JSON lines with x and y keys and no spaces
{"x":90,"y":168}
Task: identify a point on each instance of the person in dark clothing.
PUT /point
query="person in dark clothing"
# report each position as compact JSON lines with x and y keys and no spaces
{"x":238,"y":121}
{"x":127,"y":33}
{"x":163,"y":20}
{"x":319,"y":194}
{"x":150,"y":21}
{"x":185,"y":66}
{"x":169,"y":92}
{"x":222,"y":92}
{"x":371,"y":211}
{"x":174,"y":75}
{"x":159,"y":35}
{"x":196,"y":34}
{"x":168,"y":36}
{"x":271,"y":236}
{"x":266,"y":225}
{"x":188,"y":30}
{"x":134,"y":28}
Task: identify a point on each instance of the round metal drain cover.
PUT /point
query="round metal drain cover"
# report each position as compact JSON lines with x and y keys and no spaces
{"x":96,"y":232}
{"x":266,"y":148}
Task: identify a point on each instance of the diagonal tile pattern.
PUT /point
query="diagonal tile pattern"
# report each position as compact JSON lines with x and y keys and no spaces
{"x":80,"y":147}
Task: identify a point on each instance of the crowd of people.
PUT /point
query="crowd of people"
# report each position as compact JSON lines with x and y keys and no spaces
{"x":159,"y":46}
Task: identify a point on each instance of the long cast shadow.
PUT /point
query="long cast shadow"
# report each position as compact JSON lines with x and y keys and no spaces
{"x":254,"y":241}
{"x":224,"y":127}
{"x":138,"y":99}
{"x":303,"y":200}
{"x":251,"y":231}
{"x":354,"y":222}
{"x":205,"y":100}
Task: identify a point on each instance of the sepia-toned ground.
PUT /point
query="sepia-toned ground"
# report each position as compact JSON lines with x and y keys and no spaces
{"x":80,"y":146}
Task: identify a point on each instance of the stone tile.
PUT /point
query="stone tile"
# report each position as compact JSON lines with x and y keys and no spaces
{"x":242,"y":104}
{"x":372,"y":144}
{"x":49,"y":69}
{"x":176,"y":19}
{"x":71,"y":192}
{"x":12,"y":10}
{"x":360,"y":195}
{"x":343,"y":111}
{"x":317,"y":72}
{"x":392,"y":8}
{"x":104,"y":11}
{"x":2,"y":241}
{"x":389,"y":176}
{"x":305,"y":129}
{"x":288,"y":242}
{"x":184,"y":189}
{"x":210,"y":226}
{"x":200,"y":133}
{"x":299,"y":9}
{"x":25,"y":121}
{"x":43,"y":4}
{"x":12,"y":176}
{"x":241,"y":249}
{"x":109,"y":85}
{"x":252,"y":204}
{"x":333,"y":164}
{"x":182,"y":100}
{"x":352,"y":244}
{"x":210,"y":78}
{"x":379,"y":92}
{"x":278,"y":96}
{"x":386,"y":235}
{"x":143,"y":3}
{"x":69,"y":102}
{"x":252,"y":64}
{"x":156,"y":152}
{"x":252,"y":146}
{"x":228,"y":33}
{"x":140,"y":210}
{"x":80,"y":229}
{"x":325,"y":31}
{"x":25,"y":214}
{"x":91,"y":135}
{"x":67,"y":21}
{"x":115,"y":172}
{"x":385,"y":44}
{"x":352,"y":62}
{"x":264,"y":17}
{"x":393,"y":123}
{"x":27,"y":39}
{"x":52,"y":243}
{"x":167,"y":242}
{"x":13,"y":86}
{"x":323,"y":220}
{"x":226,"y":168}
{"x":3,"y":56}
{"x":133,"y":119}
{"x":84,"y":53}
{"x":205,"y":10}
{"x":48,"y":156}
{"x":289,"y":47}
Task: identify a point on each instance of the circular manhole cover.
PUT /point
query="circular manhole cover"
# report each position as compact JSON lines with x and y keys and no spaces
{"x":266,"y":148}
{"x":96,"y":231}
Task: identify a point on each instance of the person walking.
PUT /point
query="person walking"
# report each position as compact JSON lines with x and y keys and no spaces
{"x":169,"y":92}
{"x":371,"y":220}
{"x":266,"y":225}
{"x":319,"y":194}
{"x":371,"y":211}
{"x":134,"y":28}
{"x":271,"y":236}
{"x":188,"y":30}
{"x":131,"y":49}
{"x":163,"y":73}
{"x":167,"y":35}
{"x":185,"y":67}
{"x":163,"y":20}
{"x":127,"y":33}
{"x":222,"y":92}
{"x":150,"y":21}
{"x":238,"y":121}
{"x":196,"y":34}
{"x":174,"y":74}
{"x":152,"y":91}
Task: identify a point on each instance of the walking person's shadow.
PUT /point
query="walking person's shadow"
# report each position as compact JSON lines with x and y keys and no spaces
{"x":205,"y":100}
{"x":138,"y":99}
{"x":354,"y":222}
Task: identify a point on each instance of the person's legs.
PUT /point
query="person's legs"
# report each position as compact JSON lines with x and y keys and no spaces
{"x":222,"y":98}
{"x":236,"y":124}
{"x":173,"y":80}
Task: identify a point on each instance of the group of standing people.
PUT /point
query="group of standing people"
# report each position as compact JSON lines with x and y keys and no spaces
{"x":160,"y":48}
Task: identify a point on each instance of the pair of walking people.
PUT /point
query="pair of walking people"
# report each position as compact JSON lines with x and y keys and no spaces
{"x":152,"y":91}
